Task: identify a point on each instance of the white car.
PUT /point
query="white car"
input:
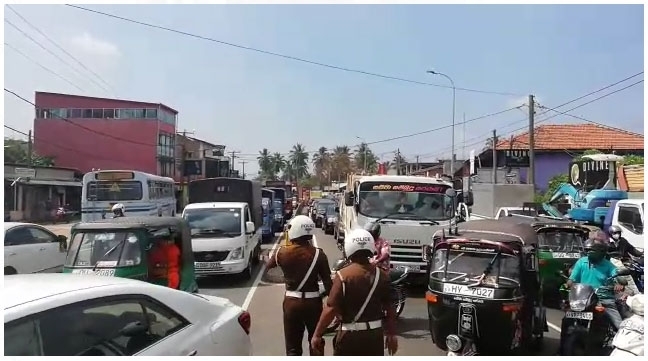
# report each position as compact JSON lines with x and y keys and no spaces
{"x":87,"y":315}
{"x":31,"y":248}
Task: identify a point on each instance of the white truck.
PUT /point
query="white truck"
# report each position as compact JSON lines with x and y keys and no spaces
{"x":629,"y":215}
{"x":410,"y":210}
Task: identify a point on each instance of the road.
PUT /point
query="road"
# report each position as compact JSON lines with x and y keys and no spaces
{"x":262,"y":296}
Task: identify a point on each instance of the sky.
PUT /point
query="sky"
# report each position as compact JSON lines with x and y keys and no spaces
{"x":248,"y":100}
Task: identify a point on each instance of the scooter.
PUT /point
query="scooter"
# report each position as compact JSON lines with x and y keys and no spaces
{"x":629,"y":340}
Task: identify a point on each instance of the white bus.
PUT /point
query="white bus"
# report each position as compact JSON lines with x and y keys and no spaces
{"x":142,"y":194}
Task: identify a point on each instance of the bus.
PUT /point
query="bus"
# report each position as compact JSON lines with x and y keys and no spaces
{"x":142,"y":194}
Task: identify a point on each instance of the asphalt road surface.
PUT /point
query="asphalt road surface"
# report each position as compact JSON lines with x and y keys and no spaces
{"x":262,"y":296}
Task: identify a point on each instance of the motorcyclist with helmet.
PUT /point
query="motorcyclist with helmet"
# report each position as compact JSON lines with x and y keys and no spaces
{"x":618,"y":244}
{"x":383,"y":250}
{"x":360,"y":296}
{"x":118,"y":210}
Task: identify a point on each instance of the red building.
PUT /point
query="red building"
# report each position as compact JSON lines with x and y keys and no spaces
{"x":85,"y":133}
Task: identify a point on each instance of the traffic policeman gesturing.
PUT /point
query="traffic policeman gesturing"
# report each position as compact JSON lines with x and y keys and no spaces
{"x":302,"y":265}
{"x":360,"y":297}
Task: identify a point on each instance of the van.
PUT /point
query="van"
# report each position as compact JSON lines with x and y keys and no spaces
{"x":628,"y":215}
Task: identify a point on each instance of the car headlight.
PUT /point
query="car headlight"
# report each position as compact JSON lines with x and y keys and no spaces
{"x":237,"y":253}
{"x":453,"y":342}
{"x":577,"y":305}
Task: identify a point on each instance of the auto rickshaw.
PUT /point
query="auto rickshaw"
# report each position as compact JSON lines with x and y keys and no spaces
{"x":483,"y":288}
{"x":560,"y":245}
{"x":119,"y":247}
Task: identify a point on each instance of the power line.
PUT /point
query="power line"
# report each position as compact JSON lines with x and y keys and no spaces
{"x":289,"y":57}
{"x":44,"y":67}
{"x":588,"y":120}
{"x":58,"y":46}
{"x":52,"y":53}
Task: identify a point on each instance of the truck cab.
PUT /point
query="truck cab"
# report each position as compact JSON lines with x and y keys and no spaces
{"x":410,"y":210}
{"x":628,"y":214}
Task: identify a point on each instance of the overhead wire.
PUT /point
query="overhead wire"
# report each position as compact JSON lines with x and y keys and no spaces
{"x":289,"y":57}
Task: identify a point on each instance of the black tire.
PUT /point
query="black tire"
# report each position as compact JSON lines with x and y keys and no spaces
{"x":256,"y":255}
{"x":400,"y":308}
{"x":575,"y":345}
{"x":247,"y":272}
{"x":10,"y":271}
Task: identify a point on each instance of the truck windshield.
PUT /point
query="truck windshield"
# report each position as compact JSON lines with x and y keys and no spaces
{"x":214,"y":222}
{"x":104,"y":249}
{"x":413,"y":200}
{"x":466,"y":267}
{"x":560,"y":241}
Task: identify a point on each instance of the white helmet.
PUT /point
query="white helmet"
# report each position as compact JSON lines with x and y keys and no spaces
{"x":301,"y":226}
{"x":636,"y":304}
{"x":118,"y":206}
{"x":358,"y":240}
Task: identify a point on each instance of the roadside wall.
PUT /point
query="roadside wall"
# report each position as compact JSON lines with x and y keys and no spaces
{"x":488,"y":198}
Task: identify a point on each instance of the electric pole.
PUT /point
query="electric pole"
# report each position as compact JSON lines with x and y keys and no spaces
{"x":494,"y":176}
{"x":398,"y":163}
{"x":243,"y":164}
{"x":417,"y":163}
{"x":30,"y":150}
{"x":233,"y":157}
{"x":531,"y":176}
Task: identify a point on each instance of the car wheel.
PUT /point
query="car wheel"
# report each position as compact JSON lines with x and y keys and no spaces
{"x":247,"y":272}
{"x":10,"y":271}
{"x":256,"y":255}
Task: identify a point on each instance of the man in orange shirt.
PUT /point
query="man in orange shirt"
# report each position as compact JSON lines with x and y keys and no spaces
{"x":164,"y":264}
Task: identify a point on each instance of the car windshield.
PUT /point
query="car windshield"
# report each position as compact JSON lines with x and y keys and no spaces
{"x":466,"y":267}
{"x":560,"y":241}
{"x":330,"y":209}
{"x":104,"y":249}
{"x":405,"y":200}
{"x":323,"y":206}
{"x":214,"y":222}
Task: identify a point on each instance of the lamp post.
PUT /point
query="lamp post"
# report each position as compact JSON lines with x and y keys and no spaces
{"x":454,"y":91}
{"x":364,"y":169}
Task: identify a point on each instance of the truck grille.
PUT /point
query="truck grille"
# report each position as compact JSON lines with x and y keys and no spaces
{"x":217,"y":256}
{"x":402,"y":253}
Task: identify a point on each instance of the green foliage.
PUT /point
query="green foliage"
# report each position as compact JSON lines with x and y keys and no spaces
{"x":16,"y":152}
{"x":552,"y":187}
{"x":633,"y":159}
{"x":587,"y":152}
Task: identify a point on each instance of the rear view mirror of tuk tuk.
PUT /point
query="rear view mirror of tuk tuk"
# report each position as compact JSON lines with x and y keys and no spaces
{"x":62,"y":241}
{"x":457,"y":184}
{"x":348,"y":198}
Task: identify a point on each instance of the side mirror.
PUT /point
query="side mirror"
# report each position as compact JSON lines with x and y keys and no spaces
{"x":249,"y":228}
{"x":348,"y":199}
{"x":468,"y":198}
{"x":62,"y":241}
{"x":451,"y":193}
{"x":457,"y":184}
{"x":337,"y":209}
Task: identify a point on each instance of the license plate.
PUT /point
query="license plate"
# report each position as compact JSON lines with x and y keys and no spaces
{"x":580,"y":315}
{"x":480,"y":292}
{"x":565,"y":255}
{"x":99,"y":272}
{"x":207,"y":265}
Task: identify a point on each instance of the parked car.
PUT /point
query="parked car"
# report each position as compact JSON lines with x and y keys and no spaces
{"x":31,"y":248}
{"x":329,"y":222}
{"x":88,"y":315}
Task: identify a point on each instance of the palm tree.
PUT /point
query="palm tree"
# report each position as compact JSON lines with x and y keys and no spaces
{"x":299,"y":161}
{"x":288,"y":173}
{"x":278,"y":164}
{"x":266,"y":169}
{"x":359,"y":159}
{"x":341,"y":159}
{"x":321,"y":165}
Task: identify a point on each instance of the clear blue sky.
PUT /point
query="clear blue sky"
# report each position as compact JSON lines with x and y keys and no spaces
{"x":249,"y":101}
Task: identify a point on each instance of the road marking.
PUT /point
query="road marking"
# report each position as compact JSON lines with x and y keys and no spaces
{"x":554,"y":327}
{"x":255,"y":285}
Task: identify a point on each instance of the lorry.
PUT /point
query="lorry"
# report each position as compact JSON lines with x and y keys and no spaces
{"x":404,"y":206}
{"x":224,"y":215}
{"x":283,"y":191}
{"x":269,"y":221}
{"x":628,"y":214}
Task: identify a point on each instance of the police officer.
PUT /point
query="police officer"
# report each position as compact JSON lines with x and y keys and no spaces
{"x":360,"y":298}
{"x":118,"y":210}
{"x":302,"y":265}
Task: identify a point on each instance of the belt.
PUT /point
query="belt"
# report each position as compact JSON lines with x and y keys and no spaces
{"x":297,"y":294}
{"x":362,"y":326}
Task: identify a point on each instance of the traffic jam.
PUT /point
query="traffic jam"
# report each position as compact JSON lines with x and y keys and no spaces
{"x":382,"y":265}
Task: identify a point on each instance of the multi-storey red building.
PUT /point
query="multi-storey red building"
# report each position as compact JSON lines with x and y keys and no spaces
{"x":85,"y":133}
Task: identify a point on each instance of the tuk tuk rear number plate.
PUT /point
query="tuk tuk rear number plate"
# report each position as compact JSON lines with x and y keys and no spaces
{"x":207,"y":265}
{"x":468,"y":291}
{"x":565,"y":255}
{"x":99,"y":272}
{"x":580,"y":315}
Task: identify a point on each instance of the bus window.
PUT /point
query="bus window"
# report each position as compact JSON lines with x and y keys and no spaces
{"x":114,"y":191}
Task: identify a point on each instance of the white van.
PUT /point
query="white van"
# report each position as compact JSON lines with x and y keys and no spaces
{"x":223,"y":238}
{"x":629,"y":215}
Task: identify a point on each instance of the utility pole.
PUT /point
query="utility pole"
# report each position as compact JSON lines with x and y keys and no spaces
{"x":531,"y":176}
{"x":398,"y":158}
{"x":30,"y":150}
{"x":463,"y":149}
{"x":494,"y":176}
{"x":417,"y":163}
{"x":233,"y":157}
{"x":243,"y":164}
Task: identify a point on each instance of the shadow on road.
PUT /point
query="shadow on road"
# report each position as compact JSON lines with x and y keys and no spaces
{"x":227,"y":281}
{"x":413,"y":328}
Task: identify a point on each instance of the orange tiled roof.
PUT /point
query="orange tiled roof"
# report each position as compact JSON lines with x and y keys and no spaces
{"x":576,"y":137}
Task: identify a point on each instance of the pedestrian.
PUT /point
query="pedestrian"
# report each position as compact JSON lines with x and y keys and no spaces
{"x":302,"y":265}
{"x":360,"y":297}
{"x":383,"y":250}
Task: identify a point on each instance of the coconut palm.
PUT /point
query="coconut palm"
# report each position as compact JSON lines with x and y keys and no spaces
{"x":321,"y":165}
{"x":299,"y":160}
{"x":278,"y":163}
{"x":359,"y":159}
{"x":341,"y":160}
{"x":266,"y":168}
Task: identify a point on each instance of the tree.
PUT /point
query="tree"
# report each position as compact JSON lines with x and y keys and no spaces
{"x":359,"y":159}
{"x":322,"y":165}
{"x":632,"y":159}
{"x":288,"y":173}
{"x":266,"y":166}
{"x":341,"y":160}
{"x":17,"y":152}
{"x":299,"y":160}
{"x":278,"y":164}
{"x":552,"y":187}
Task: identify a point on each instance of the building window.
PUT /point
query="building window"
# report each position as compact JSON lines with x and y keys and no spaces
{"x":87,"y":113}
{"x":97,"y":113}
{"x":109,"y":113}
{"x":75,"y":113}
{"x":151,"y":113}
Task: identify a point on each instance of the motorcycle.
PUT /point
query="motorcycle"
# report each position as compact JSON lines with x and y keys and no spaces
{"x":636,"y":267}
{"x":397,"y":288}
{"x":629,"y":341}
{"x":586,"y":329}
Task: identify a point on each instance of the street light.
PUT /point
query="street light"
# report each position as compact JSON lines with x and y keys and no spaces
{"x":365,"y":153}
{"x":454,"y":91}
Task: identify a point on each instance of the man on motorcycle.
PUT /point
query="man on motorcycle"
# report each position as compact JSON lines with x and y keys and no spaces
{"x":383,"y":250}
{"x":302,"y":265}
{"x":594,"y":270}
{"x":620,"y":245}
{"x":360,"y":296}
{"x":118,"y":210}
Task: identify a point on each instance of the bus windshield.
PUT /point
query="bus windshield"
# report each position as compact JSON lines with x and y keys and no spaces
{"x":407,"y":200}
{"x":114,"y":191}
{"x":104,"y":249}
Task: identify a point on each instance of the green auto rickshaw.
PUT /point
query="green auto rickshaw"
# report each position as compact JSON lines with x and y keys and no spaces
{"x":120,"y":247}
{"x":560,"y":245}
